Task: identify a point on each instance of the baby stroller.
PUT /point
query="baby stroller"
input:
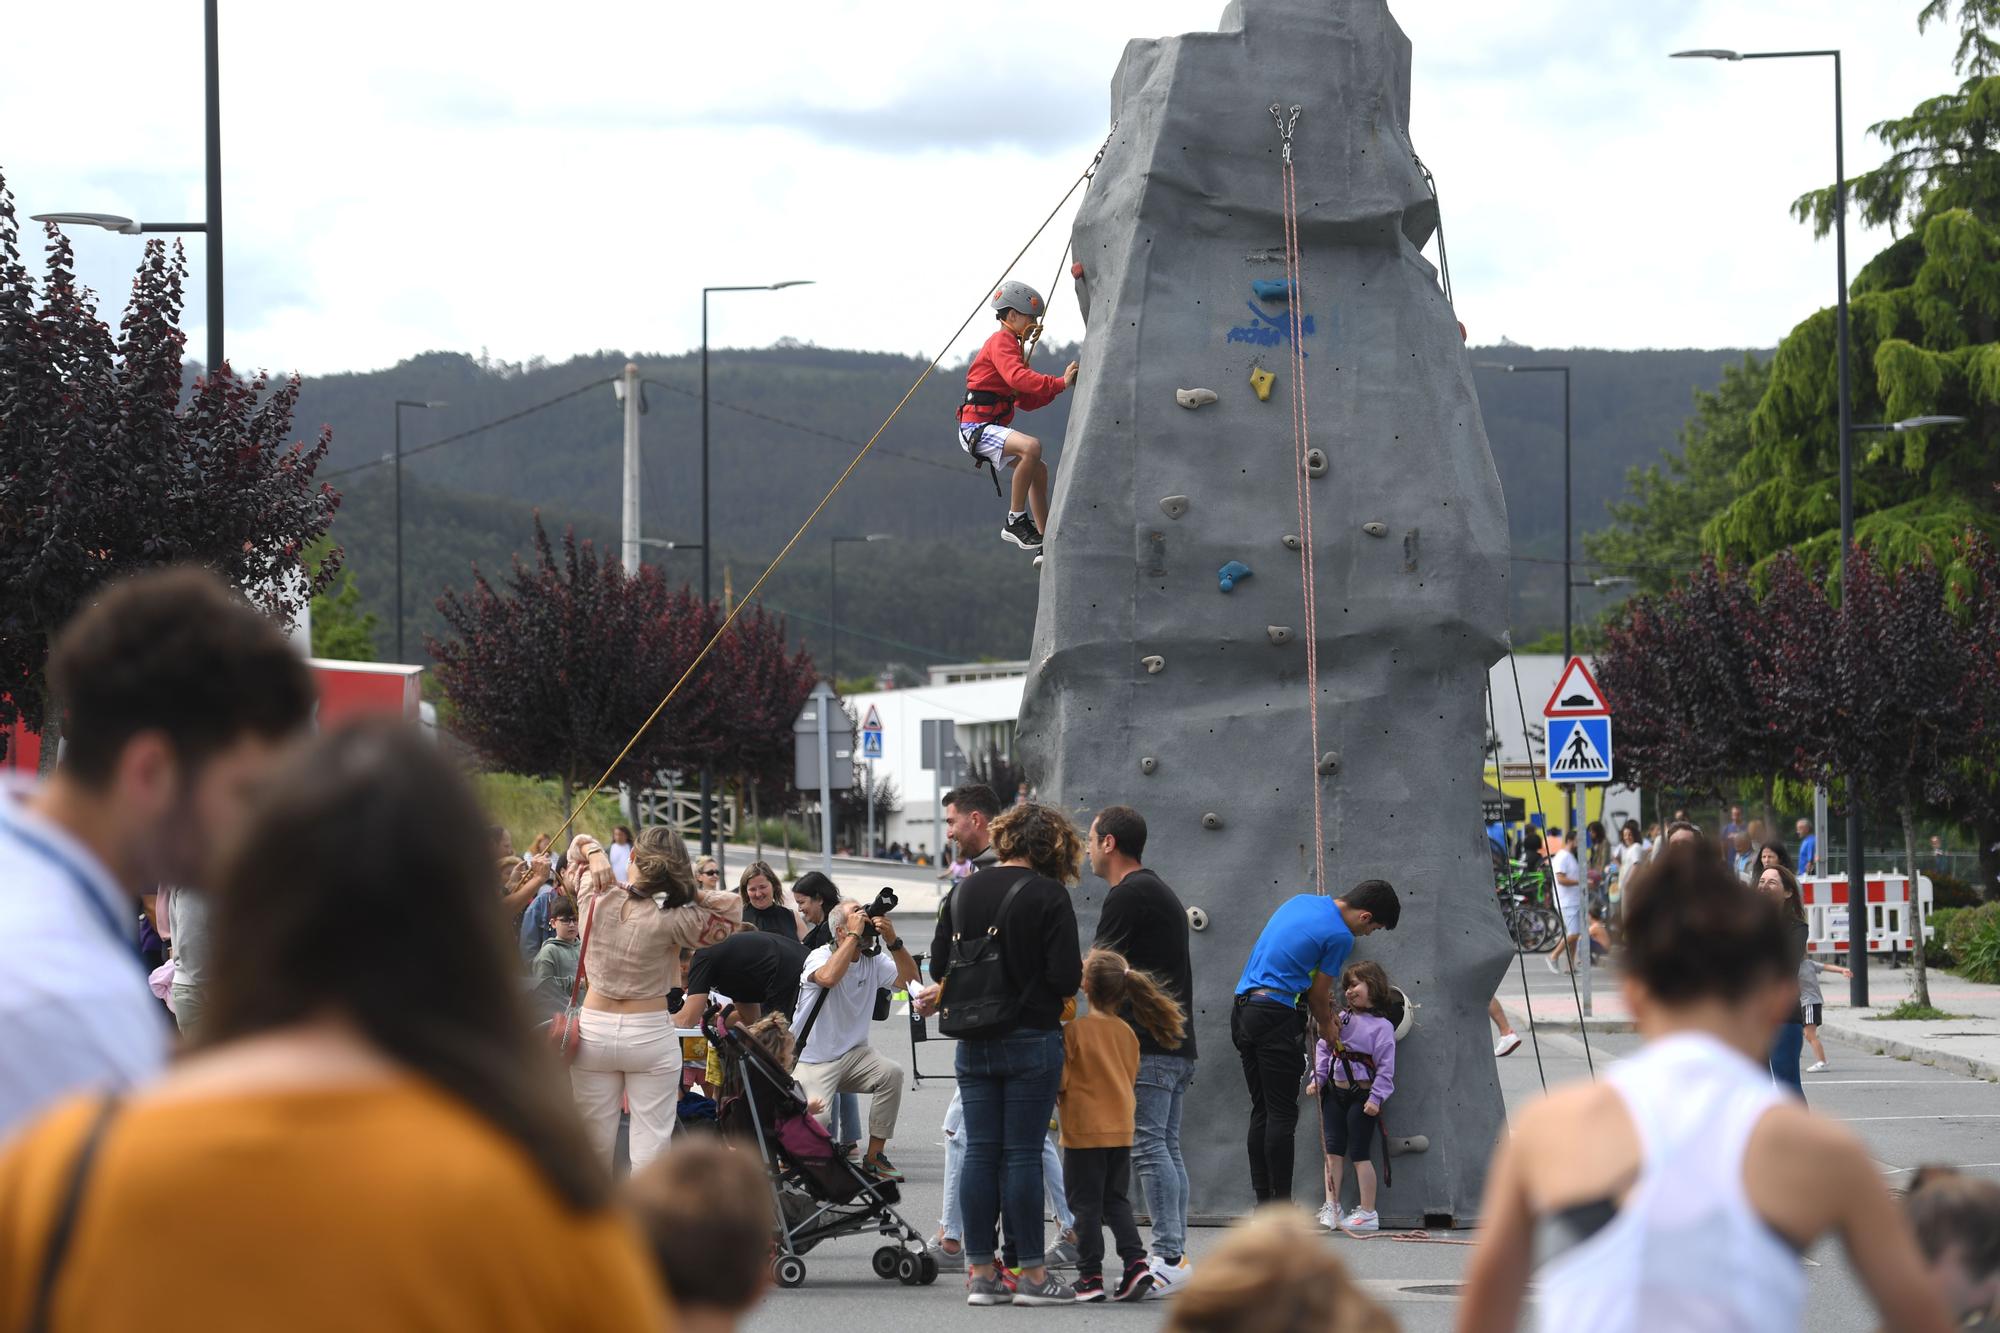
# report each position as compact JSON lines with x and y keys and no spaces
{"x":817,"y":1194}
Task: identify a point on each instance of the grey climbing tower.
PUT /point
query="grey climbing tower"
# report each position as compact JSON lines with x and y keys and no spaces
{"x":1152,"y":499}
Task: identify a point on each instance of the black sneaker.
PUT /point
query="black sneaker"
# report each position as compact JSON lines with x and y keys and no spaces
{"x":1138,"y":1280}
{"x":1023,"y":533}
{"x":1089,"y":1289}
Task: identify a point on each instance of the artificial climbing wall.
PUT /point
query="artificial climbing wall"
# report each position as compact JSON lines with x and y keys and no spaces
{"x":1155,"y":685}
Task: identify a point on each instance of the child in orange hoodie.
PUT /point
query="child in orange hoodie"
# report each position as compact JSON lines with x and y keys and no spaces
{"x":1097,"y":1104}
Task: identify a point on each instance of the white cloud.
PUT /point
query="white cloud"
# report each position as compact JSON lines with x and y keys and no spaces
{"x":544,"y":181}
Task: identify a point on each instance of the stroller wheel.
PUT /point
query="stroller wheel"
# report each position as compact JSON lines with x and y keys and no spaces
{"x":927,"y":1270}
{"x":885,"y":1261}
{"x":909,"y":1269}
{"x":789,"y":1270}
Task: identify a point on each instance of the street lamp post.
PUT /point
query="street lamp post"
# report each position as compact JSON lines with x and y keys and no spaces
{"x":1857,"y":992}
{"x":707,"y":777}
{"x":402,"y":403}
{"x":212,"y":139}
{"x":833,"y":598}
{"x":1569,"y":576}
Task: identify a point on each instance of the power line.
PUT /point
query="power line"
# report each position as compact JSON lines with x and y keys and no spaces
{"x":476,"y":430}
{"x":802,"y":427}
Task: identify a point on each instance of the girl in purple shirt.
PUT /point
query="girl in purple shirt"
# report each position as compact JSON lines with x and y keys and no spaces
{"x":1353,"y":1077}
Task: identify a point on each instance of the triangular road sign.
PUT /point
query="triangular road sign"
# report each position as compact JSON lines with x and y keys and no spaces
{"x":1576,"y":694}
{"x":873,"y":722}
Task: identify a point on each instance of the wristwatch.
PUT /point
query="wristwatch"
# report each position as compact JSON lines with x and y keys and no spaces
{"x":897,"y":945}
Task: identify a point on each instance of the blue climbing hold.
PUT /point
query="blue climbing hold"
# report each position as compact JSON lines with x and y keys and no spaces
{"x":1231,"y":574}
{"x":1272,"y":289}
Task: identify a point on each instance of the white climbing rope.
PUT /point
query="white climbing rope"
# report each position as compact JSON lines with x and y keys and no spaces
{"x":1301,"y":447}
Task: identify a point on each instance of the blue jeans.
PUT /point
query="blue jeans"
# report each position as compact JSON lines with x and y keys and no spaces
{"x":1156,"y":1149}
{"x":1785,"y":1057}
{"x":1009,"y":1086}
{"x":846,"y":1118}
{"x":950,"y":1224}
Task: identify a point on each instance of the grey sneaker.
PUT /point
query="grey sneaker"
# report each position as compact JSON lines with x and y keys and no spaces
{"x":987,"y":1291}
{"x":1063,"y":1254}
{"x":948,"y":1261}
{"x":1051,"y":1290}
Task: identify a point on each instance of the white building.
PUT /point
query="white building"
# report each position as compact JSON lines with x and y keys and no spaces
{"x":983,"y":701}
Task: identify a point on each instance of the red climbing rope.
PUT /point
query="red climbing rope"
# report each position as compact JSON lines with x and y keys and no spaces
{"x":1301,"y":449}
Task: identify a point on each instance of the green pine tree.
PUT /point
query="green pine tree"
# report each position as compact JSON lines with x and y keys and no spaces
{"x":341,"y":630}
{"x":1926,"y":340}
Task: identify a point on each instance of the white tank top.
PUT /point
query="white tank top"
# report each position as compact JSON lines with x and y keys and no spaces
{"x":1686,"y":1253}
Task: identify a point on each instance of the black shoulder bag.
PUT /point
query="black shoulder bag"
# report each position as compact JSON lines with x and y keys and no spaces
{"x":977,"y":995}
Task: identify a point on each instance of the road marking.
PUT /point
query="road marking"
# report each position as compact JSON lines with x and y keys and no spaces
{"x":1934,"y":1082}
{"x":1869,"y":1119}
{"x":1956,"y":1166}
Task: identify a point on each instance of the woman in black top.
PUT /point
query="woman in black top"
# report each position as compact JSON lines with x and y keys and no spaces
{"x":1779,"y":883}
{"x":1010,"y":1071}
{"x":761,"y":908}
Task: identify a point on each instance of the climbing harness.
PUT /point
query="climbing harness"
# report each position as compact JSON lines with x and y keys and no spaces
{"x":1359,"y":1087}
{"x":1301,"y":449}
{"x":749,"y":597}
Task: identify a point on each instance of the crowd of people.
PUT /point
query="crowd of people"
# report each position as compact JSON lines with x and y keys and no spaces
{"x":383,"y":1137}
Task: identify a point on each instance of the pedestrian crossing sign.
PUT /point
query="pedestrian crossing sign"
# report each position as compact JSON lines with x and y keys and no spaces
{"x":1579,"y":749}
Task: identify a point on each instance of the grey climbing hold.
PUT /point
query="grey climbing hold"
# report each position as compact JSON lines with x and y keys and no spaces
{"x":1404,"y":1144}
{"x":1193,"y":398}
{"x":1174,"y":506}
{"x":1211,"y":820}
{"x":1291,"y":540}
{"x":1154,"y":665}
{"x":1197,"y":919}
{"x":1149,"y":765}
{"x":1410,"y":542}
{"x":1329,"y":764}
{"x":1315,"y":462}
{"x":1279,"y":635}
{"x":1375,"y":529}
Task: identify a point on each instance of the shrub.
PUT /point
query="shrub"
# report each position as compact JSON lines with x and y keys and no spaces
{"x":1980,"y":959}
{"x":1937,"y":949}
{"x":1965,"y":924}
{"x":1951,"y":891}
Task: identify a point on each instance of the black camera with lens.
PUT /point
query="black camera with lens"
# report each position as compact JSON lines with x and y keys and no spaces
{"x":885,"y":903}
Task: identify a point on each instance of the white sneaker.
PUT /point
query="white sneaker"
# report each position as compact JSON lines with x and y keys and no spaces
{"x":1817,"y":1067}
{"x":1508,"y":1044}
{"x":1169,"y":1278}
{"x":1326,"y":1217}
{"x":1550,"y":959}
{"x":1358,"y":1220}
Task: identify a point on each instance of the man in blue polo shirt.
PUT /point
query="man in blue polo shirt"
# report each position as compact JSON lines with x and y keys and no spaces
{"x":1292,"y":971}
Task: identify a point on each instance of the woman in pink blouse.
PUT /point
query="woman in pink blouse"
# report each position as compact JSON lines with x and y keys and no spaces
{"x":629,"y":1050}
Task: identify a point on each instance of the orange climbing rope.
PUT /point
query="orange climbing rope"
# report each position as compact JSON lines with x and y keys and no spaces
{"x":1301,"y":447}
{"x":826,"y":499}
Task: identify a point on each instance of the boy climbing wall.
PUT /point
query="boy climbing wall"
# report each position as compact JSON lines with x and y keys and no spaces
{"x":999,"y":381}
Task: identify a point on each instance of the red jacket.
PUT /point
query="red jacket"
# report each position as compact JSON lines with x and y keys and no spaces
{"x":1000,"y":369}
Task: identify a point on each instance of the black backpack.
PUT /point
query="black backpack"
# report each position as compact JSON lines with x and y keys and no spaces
{"x":977,"y":995}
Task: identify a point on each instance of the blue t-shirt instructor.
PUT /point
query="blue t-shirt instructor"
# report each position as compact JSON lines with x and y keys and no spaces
{"x":1292,"y":971}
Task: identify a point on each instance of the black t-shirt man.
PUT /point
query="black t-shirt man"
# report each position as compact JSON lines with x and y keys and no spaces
{"x":1144,"y":920}
{"x":751,"y":967}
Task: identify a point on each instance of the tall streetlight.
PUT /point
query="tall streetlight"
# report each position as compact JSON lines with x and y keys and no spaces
{"x":213,"y":226}
{"x":1569,"y":576}
{"x":833,"y":597}
{"x":707,"y":778}
{"x":402,"y":403}
{"x":1857,"y":990}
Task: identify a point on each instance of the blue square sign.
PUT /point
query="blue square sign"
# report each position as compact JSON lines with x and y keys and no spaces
{"x":1579,"y":749}
{"x":871,"y":744}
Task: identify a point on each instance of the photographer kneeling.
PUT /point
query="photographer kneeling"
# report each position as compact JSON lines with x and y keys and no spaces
{"x":836,"y":1005}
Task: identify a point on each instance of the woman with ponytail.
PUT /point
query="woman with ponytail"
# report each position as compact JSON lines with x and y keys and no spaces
{"x":1097,"y":1105}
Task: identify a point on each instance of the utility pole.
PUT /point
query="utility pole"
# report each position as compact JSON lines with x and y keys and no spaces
{"x":629,"y":528}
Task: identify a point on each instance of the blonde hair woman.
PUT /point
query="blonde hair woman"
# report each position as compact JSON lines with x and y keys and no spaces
{"x":1010,"y":1070}
{"x":630,"y":1051}
{"x":1273,"y":1274}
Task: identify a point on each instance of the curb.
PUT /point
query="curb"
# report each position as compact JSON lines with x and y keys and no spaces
{"x":1873,"y":1041}
{"x":1594,"y":1025}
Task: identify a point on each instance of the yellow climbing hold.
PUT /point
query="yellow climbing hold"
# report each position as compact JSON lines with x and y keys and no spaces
{"x":1261,"y":380}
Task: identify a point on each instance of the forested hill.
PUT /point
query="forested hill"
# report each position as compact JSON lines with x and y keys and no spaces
{"x":786,"y":419}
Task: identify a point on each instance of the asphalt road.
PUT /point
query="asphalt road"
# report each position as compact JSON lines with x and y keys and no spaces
{"x":1907,"y":1114}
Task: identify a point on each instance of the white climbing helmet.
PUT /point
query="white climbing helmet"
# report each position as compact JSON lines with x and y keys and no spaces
{"x":1012,"y":295}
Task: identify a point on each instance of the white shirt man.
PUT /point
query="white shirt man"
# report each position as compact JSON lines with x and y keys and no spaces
{"x":1568,"y":874}
{"x":840,"y":981}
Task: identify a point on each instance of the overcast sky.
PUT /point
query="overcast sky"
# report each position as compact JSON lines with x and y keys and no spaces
{"x":547,"y":180}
